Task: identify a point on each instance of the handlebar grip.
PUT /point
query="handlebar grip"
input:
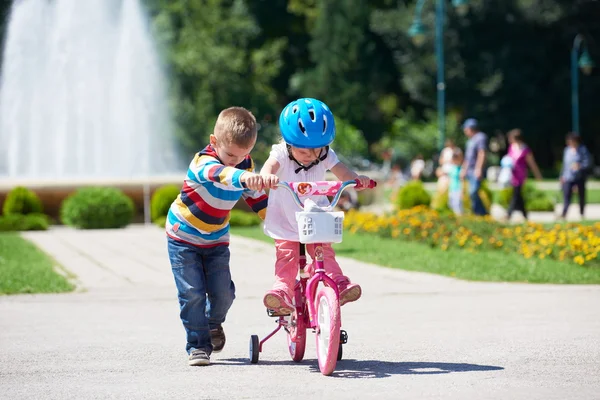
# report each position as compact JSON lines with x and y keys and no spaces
{"x":371,"y":185}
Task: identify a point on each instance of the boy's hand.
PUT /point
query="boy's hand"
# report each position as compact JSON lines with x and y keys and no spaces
{"x":253,"y":181}
{"x":270,"y":181}
{"x":365,"y":181}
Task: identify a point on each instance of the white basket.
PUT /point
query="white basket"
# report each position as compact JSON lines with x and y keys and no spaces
{"x":320,"y":227}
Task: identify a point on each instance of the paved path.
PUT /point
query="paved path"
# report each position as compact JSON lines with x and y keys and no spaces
{"x":412,"y":335}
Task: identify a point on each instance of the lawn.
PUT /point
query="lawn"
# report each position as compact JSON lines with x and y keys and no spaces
{"x":26,"y":269}
{"x":481,"y":266}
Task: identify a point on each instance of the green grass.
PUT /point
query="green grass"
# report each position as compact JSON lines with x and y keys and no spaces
{"x":26,"y":269}
{"x":494,"y":266}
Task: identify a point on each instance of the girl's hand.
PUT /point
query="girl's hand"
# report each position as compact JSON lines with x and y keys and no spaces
{"x":270,"y":181}
{"x":364,"y":182}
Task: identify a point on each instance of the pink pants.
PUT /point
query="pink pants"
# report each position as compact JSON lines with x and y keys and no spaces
{"x":286,"y":266}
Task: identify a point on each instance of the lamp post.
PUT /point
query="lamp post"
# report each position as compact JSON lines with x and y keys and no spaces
{"x":417,"y":32}
{"x":586,"y":64}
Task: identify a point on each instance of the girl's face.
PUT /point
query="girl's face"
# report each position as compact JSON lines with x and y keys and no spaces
{"x":306,"y":156}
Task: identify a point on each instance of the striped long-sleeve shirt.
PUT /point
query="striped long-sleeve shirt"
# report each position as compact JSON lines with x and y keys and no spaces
{"x":200,"y":214}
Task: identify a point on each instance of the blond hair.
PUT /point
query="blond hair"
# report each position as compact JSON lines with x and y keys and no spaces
{"x":236,"y":125}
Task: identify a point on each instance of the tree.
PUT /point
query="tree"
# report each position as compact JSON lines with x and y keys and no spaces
{"x":352,"y":69}
{"x":214,"y":64}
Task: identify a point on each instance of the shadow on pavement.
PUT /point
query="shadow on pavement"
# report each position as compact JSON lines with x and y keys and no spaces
{"x":376,"y":369}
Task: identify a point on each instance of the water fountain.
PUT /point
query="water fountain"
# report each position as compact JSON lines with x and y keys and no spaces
{"x":82,"y":96}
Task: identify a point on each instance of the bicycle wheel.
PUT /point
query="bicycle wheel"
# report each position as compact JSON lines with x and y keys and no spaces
{"x":328,"y":329}
{"x":296,"y":336}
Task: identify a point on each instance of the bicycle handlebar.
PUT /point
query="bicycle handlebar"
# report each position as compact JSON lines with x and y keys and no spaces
{"x":323,"y":188}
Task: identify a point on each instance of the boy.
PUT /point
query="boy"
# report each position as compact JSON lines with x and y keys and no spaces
{"x":198,"y":229}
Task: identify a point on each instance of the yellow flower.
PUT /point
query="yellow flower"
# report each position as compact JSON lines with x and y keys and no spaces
{"x":579,"y":260}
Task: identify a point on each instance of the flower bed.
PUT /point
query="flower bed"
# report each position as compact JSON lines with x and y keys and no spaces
{"x":572,"y":242}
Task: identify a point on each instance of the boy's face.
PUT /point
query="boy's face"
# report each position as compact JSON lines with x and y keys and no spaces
{"x":306,"y":156}
{"x":230,"y":154}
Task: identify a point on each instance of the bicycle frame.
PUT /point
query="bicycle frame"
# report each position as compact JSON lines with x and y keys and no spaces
{"x":324,"y":188}
{"x":309,"y":284}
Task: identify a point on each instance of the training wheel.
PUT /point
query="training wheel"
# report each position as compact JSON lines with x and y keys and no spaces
{"x":254,"y":349}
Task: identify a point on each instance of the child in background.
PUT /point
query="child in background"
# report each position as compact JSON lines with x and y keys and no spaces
{"x":455,"y":192}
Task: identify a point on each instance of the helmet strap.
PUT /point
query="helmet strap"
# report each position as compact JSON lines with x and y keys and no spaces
{"x":301,"y":167}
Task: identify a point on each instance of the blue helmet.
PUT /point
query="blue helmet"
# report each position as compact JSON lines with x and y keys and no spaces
{"x":307,"y":123}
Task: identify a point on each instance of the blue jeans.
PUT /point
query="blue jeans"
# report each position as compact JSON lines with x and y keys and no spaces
{"x":476,"y":203}
{"x":204,"y":287}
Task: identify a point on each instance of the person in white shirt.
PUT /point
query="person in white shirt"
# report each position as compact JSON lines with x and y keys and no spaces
{"x":308,"y":128}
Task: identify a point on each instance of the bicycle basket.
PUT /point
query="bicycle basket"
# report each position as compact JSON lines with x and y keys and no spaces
{"x":320,"y":227}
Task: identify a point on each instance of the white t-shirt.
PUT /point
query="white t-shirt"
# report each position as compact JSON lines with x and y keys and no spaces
{"x":280,"y":222}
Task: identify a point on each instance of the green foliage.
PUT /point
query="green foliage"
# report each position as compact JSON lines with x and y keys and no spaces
{"x":486,"y":195}
{"x":160,"y":221}
{"x":535,"y":199}
{"x":20,"y":222}
{"x":411,"y":195}
{"x":409,"y":137}
{"x":161,"y":201}
{"x":97,"y":208}
{"x":540,"y":204}
{"x":21,"y":200}
{"x":439,"y":201}
{"x":356,"y":55}
{"x":244,"y":218}
{"x":349,"y":140}
{"x":216,"y":63}
{"x":350,"y":69}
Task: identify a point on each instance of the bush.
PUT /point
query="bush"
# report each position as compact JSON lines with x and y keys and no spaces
{"x":535,"y":200}
{"x":21,"y":200}
{"x":411,"y":195}
{"x":439,"y":202}
{"x":161,"y":201}
{"x":160,"y":221}
{"x":540,"y":204}
{"x":20,"y":222}
{"x":243,"y":218}
{"x":97,"y":208}
{"x":486,"y":195}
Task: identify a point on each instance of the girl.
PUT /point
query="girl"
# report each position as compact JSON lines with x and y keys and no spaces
{"x":308,"y":128}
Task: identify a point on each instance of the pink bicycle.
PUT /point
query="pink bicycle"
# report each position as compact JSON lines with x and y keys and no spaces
{"x":316,"y":298}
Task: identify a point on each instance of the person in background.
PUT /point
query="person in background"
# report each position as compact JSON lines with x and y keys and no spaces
{"x":417,"y":166}
{"x":445,"y":163}
{"x":521,"y":157}
{"x":473,"y":168}
{"x":576,"y":164}
{"x":455,"y":192}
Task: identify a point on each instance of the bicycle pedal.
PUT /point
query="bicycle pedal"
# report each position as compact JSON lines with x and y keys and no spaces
{"x":343,"y":337}
{"x":275,"y":314}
